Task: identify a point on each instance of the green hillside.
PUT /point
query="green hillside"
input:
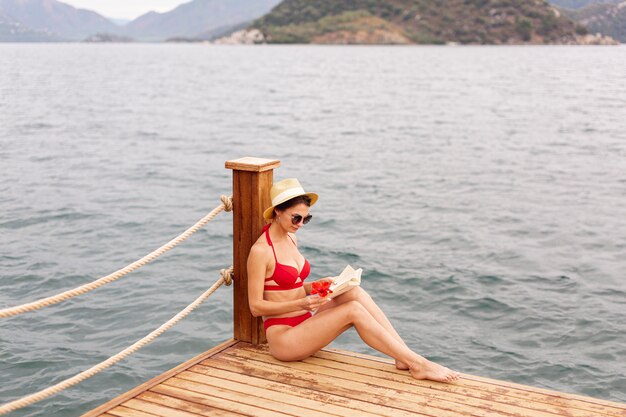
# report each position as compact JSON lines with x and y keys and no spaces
{"x":417,"y":21}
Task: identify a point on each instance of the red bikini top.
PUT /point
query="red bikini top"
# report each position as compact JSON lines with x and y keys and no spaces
{"x":285,"y":275}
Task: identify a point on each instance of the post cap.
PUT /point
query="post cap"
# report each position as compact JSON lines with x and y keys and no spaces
{"x":250,"y":163}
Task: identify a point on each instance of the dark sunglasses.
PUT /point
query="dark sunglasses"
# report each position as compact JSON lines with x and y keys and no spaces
{"x":296,"y":219}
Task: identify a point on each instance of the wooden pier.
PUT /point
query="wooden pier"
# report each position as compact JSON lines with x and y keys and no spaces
{"x":240,"y":377}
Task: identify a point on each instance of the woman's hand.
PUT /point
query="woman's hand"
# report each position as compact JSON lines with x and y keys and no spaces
{"x":327,"y":279}
{"x":313,"y":302}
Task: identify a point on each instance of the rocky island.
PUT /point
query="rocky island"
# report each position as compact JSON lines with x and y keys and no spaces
{"x":494,"y":22}
{"x":107,"y":38}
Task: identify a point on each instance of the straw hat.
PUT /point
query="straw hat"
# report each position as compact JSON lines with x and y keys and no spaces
{"x":286,"y":190}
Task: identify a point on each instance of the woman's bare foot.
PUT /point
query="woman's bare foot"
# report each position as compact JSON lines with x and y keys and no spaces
{"x":401,"y":366}
{"x":425,"y":369}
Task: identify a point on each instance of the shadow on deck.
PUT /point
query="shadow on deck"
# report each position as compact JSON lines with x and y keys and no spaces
{"x":237,"y":378}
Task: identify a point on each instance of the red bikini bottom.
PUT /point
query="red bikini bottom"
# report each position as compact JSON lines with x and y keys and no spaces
{"x":289,"y":321}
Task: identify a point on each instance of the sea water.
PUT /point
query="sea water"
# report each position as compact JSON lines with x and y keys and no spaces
{"x":481,"y":189}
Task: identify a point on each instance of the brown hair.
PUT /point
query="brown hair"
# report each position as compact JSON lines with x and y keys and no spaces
{"x":301,"y":199}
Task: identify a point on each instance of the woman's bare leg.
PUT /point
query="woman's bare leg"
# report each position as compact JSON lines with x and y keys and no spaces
{"x":360,"y":295}
{"x":295,"y":343}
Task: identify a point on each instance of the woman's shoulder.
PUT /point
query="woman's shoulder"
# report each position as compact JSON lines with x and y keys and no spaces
{"x":260,"y":248}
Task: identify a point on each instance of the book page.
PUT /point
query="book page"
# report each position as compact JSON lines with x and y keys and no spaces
{"x":345,"y":276}
{"x":347,"y":279}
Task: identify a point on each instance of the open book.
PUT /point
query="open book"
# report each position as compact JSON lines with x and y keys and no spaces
{"x":348,"y":279}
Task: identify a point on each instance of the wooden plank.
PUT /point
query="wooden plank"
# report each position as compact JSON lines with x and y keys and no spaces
{"x":468,"y":388}
{"x":157,"y":409}
{"x":251,"y":195}
{"x":121,"y":411}
{"x":613,"y":408}
{"x":177,"y":402}
{"x":216,"y":387}
{"x":370,"y":361}
{"x":337,"y":386}
{"x":268,"y":389}
{"x":523,"y":392}
{"x":510,"y":394}
{"x":460,"y":388}
{"x":333,"y":404}
{"x":197,"y":403}
{"x":493,"y":402}
{"x":410,"y":386}
{"x":158,"y":379}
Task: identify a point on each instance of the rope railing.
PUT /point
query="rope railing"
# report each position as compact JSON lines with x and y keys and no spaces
{"x":226,"y":205}
{"x":226,"y":278}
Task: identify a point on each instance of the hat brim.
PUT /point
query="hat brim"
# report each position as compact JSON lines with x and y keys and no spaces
{"x":267,"y":214}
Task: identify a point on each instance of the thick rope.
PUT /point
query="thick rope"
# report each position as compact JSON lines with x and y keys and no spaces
{"x":226,"y":278}
{"x":226,"y":205}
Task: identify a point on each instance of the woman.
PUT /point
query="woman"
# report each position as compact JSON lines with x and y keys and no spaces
{"x":277,"y":291}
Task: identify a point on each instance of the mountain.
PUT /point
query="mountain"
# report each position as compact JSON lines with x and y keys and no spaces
{"x":418,"y":21}
{"x":54,"y":17}
{"x":12,"y":31}
{"x":196,"y":18}
{"x":608,"y":19}
{"x":579,"y":4}
{"x":51,"y":20}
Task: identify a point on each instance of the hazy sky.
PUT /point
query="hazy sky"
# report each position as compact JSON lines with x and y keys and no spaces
{"x":125,"y":9}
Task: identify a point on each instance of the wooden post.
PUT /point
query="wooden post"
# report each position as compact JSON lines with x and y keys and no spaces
{"x":252,"y":180}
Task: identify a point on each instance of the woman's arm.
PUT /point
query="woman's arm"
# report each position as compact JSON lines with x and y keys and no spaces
{"x":256,"y":280}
